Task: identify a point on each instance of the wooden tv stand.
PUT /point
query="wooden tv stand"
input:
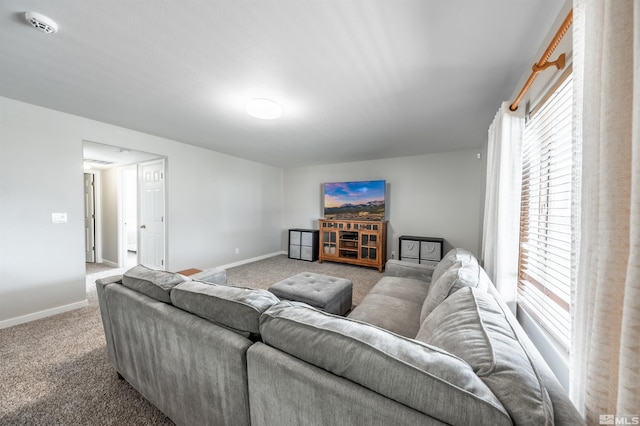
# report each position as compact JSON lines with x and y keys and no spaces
{"x":358,"y":242}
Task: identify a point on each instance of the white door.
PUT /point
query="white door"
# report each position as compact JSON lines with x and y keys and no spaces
{"x":89,"y":219}
{"x":152,"y":229}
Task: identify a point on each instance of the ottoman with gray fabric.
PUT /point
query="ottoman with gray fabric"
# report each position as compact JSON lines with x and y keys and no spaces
{"x":331,"y":294}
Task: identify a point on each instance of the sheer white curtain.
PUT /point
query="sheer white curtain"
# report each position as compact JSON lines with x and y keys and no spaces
{"x":605,"y":357}
{"x":502,"y":202}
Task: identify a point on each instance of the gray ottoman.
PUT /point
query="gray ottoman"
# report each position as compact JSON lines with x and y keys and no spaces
{"x":330,"y":294}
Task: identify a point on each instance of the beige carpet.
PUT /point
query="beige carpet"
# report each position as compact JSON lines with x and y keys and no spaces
{"x":265,"y":273}
{"x":56,"y":371}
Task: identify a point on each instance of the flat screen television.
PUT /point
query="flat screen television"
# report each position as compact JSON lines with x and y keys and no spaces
{"x":362,"y":200}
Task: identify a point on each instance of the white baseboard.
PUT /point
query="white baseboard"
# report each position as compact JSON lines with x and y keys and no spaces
{"x":110,"y":263}
{"x":253,"y":259}
{"x":43,"y":314}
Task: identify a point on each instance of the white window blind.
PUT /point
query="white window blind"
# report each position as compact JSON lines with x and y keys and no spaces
{"x":545,"y":218}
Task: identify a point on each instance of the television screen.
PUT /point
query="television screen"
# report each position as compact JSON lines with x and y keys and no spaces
{"x":355,"y":200}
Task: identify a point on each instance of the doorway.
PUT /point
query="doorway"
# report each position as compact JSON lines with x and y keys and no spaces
{"x":89,"y":218}
{"x":117,"y":181}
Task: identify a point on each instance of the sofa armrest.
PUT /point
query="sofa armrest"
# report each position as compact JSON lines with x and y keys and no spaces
{"x":109,"y":280}
{"x":402,"y":269}
{"x":101,"y":288}
{"x":213,"y":276}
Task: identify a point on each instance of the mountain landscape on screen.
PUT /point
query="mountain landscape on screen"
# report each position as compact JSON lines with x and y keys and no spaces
{"x":364,"y":200}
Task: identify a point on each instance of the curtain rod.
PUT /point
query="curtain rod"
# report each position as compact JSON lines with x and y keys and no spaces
{"x":543,"y":64}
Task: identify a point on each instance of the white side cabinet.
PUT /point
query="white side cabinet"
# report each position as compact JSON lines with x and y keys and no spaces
{"x":303,"y":244}
{"x":423,"y":250}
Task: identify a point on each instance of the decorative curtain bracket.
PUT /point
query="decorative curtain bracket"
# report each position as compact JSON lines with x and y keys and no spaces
{"x":559,"y":63}
{"x":544,"y":63}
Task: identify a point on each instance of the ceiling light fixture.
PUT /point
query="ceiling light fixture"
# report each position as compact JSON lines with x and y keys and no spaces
{"x":41,"y":22}
{"x":265,"y":109}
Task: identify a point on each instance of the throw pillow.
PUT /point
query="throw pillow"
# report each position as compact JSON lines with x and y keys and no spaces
{"x":462,"y":274}
{"x":423,"y":377}
{"x":155,"y":284}
{"x":453,"y":256}
{"x":472,"y":325}
{"x":237,"y":308}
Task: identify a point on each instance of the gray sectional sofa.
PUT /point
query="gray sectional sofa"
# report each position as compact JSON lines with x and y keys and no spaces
{"x":425,"y":346}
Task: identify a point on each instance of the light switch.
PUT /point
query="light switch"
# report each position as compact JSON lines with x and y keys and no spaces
{"x":58,"y":218}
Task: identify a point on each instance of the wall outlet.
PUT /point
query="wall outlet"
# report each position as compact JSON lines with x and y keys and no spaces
{"x":58,"y":218}
{"x":393,"y":254}
{"x":237,"y":251}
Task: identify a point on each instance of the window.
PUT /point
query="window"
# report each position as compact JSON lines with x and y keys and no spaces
{"x":544,"y":272}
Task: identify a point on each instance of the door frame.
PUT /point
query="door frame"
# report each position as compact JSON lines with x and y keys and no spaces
{"x":89,"y":218}
{"x":138,"y":157}
{"x":97,"y":206}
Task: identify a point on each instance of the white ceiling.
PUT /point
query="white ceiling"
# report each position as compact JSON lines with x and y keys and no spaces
{"x":357,"y":79}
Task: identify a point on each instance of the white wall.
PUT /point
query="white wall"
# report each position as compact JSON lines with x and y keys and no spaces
{"x":215,"y":203}
{"x":437,"y":195}
{"x":41,"y":264}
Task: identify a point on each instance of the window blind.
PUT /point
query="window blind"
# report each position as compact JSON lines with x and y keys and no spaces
{"x":544,"y":271}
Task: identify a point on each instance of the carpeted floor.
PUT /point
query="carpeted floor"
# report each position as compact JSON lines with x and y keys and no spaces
{"x":55,"y":370}
{"x":94,"y":268}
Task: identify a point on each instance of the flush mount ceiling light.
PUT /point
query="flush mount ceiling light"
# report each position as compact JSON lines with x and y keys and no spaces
{"x":41,"y":22}
{"x":265,"y":109}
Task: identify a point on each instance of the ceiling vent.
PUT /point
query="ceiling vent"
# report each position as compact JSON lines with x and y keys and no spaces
{"x":41,"y":22}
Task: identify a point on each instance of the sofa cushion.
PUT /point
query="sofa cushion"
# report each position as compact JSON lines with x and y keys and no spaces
{"x":403,"y":269}
{"x":453,"y":256}
{"x":464,"y":273}
{"x":422,"y":377}
{"x":153,"y":283}
{"x":401,"y":288}
{"x":390,"y":313}
{"x":237,"y":308}
{"x":393,"y":304}
{"x":472,"y":325}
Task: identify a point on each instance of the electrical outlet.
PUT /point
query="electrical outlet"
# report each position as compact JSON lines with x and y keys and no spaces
{"x":58,"y":218}
{"x":393,"y":254}
{"x":237,"y":251}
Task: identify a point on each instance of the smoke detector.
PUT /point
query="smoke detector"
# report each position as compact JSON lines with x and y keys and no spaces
{"x":41,"y":22}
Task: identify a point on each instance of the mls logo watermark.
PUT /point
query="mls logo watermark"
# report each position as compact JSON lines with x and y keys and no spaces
{"x":611,"y":419}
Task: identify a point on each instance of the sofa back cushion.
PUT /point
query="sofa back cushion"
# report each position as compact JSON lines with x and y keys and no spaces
{"x":472,"y":325}
{"x":464,"y":273}
{"x":422,"y":377}
{"x":237,"y":308}
{"x":153,"y":283}
{"x":453,"y":256}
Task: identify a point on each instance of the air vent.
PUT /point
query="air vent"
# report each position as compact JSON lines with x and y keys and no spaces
{"x":41,"y":22}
